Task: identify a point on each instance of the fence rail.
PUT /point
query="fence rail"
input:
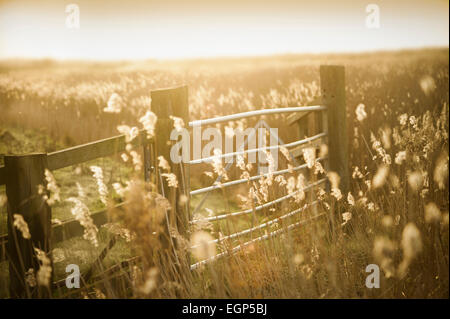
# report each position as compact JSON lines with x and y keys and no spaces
{"x":260,"y":226}
{"x":65,"y":230}
{"x":90,"y":151}
{"x":316,"y":125}
{"x":250,"y":179}
{"x":247,"y":243}
{"x":87,"y":152}
{"x":239,"y":116}
{"x":260,"y":149}
{"x":259,"y":207}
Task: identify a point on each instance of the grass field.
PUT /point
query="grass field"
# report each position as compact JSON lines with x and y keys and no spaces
{"x":395,"y":215}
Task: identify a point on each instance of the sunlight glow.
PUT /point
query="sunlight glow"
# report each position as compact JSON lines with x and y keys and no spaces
{"x":152,"y":30}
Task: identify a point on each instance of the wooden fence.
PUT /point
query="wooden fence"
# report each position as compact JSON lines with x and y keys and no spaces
{"x":316,"y":124}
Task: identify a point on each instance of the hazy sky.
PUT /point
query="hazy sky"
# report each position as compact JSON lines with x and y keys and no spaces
{"x":189,"y":28}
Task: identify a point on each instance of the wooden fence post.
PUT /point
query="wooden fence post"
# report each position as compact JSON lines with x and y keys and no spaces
{"x":23,"y":176}
{"x":332,"y":84}
{"x":167,"y":103}
{"x":147,"y":160}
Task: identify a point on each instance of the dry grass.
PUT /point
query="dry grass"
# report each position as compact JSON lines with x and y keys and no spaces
{"x":396,"y":215}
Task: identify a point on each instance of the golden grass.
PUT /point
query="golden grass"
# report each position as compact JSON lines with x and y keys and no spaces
{"x":396,"y":216}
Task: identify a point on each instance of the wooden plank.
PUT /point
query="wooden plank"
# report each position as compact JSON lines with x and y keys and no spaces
{"x":326,"y":165}
{"x":298,"y":150}
{"x":295,"y":117}
{"x":2,"y":175}
{"x":72,"y":228}
{"x":66,"y":230}
{"x":105,"y":274}
{"x":3,"y":243}
{"x":86,"y":152}
{"x":147,"y":162}
{"x":313,"y":129}
{"x":332,"y":82}
{"x":24,"y":174}
{"x":167,"y":103}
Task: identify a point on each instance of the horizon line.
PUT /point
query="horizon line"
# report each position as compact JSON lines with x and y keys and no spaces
{"x":219,"y":57}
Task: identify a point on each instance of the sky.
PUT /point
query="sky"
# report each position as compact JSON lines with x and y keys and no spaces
{"x":167,"y":29}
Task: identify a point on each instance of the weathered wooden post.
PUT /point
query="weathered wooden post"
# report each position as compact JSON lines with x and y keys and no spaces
{"x":332,"y":85}
{"x":147,"y":157}
{"x":167,"y":103}
{"x":23,"y":176}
